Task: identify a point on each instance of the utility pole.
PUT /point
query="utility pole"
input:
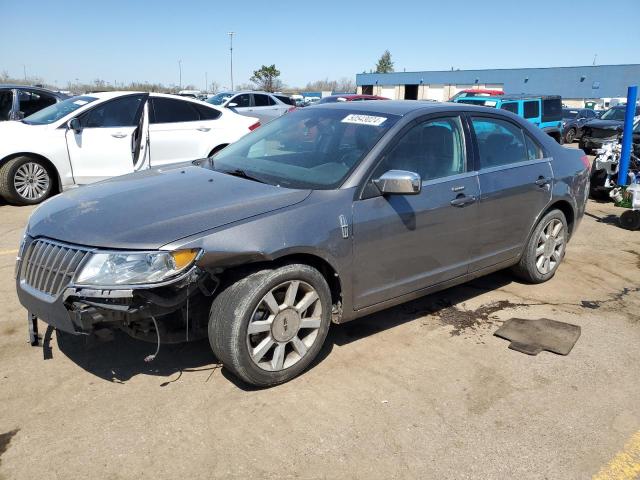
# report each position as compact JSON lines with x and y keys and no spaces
{"x":231,"y":34}
{"x":180,"y":70}
{"x":594,"y":59}
{"x":206,"y":83}
{"x":24,"y":68}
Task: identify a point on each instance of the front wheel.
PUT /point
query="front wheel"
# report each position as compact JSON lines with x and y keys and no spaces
{"x":25,"y":181}
{"x":570,"y":135}
{"x":544,"y":250}
{"x":268,"y":327}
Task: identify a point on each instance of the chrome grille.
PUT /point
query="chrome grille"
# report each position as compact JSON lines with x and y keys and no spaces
{"x":49,"y":266}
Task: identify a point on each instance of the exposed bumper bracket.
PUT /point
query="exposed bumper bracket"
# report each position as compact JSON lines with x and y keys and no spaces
{"x":33,"y":329}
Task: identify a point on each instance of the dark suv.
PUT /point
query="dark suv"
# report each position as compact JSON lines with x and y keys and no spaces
{"x":19,"y":101}
{"x":325,"y":215}
{"x":606,"y":129}
{"x":573,"y":119}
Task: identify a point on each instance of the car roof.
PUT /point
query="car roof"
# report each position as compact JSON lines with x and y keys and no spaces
{"x":30,"y":87}
{"x":517,"y":96}
{"x":401,"y":107}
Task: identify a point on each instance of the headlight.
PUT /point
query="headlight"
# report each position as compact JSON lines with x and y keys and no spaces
{"x":132,"y":268}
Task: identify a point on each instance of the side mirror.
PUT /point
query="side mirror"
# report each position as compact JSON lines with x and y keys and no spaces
{"x":232,"y":105}
{"x":74,"y":124}
{"x":399,"y":182}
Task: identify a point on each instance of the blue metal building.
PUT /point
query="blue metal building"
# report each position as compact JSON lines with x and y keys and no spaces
{"x":572,"y":83}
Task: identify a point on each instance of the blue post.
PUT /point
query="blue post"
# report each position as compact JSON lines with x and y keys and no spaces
{"x":627,"y":135}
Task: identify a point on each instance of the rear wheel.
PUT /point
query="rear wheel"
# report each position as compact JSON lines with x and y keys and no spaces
{"x":269,"y":326}
{"x":545,"y":249}
{"x":25,"y":181}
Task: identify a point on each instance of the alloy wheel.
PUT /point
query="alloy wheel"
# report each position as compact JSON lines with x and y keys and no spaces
{"x":550,"y":246}
{"x":284,"y":325}
{"x":31,"y":181}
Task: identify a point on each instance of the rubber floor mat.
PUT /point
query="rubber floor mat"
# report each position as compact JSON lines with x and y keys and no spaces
{"x":533,"y":336}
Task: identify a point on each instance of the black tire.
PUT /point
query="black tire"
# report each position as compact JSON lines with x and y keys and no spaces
{"x":597,"y":191}
{"x":570,"y":135}
{"x":586,"y":150}
{"x":526,"y":269}
{"x":8,"y":174}
{"x":630,"y":219}
{"x":236,"y":304}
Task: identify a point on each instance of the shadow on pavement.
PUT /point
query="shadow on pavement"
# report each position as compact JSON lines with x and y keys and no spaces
{"x":123,"y":358}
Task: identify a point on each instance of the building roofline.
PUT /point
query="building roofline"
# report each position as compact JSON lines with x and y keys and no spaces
{"x":503,"y":69}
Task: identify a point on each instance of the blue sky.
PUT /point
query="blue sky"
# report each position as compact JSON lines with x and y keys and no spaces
{"x":122,"y":41}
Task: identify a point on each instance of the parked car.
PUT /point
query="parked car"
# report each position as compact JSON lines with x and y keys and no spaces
{"x":573,"y":119}
{"x":606,"y":129}
{"x":476,"y":92}
{"x":349,"y":98}
{"x":19,"y":101}
{"x":265,"y":106}
{"x":544,"y":111}
{"x":328,"y":214}
{"x":96,"y":136}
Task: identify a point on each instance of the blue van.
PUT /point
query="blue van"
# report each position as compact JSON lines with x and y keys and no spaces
{"x":545,"y":111}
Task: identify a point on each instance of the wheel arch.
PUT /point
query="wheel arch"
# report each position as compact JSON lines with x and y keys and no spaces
{"x":216,"y":149}
{"x":567,"y":209}
{"x":52,"y":168}
{"x":325,"y":268}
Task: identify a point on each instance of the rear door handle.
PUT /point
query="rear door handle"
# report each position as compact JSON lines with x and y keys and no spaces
{"x":463,"y":201}
{"x":542,"y":181}
{"x":118,"y":135}
{"x":203,"y":129}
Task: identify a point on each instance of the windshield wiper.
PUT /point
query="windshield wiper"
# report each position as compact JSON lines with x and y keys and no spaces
{"x":238,"y":172}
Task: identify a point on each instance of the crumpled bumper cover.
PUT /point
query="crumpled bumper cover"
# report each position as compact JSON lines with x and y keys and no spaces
{"x":77,"y":310}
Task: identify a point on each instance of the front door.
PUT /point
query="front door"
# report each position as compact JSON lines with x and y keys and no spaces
{"x":515,"y":187}
{"x":403,"y":243}
{"x":105,"y":146}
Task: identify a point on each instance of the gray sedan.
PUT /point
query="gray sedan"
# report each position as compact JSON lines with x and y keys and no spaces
{"x":324,"y":215}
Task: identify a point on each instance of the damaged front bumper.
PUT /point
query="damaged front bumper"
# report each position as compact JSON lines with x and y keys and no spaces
{"x":175,"y":309}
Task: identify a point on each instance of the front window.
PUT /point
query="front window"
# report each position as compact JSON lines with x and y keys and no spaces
{"x":613,"y":114}
{"x":55,"y":112}
{"x":220,"y":98}
{"x":310,"y":148}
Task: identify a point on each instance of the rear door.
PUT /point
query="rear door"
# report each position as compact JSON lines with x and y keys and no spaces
{"x":176,"y":131}
{"x":265,"y":108}
{"x":403,"y":243}
{"x":515,"y":179}
{"x":105,"y":147}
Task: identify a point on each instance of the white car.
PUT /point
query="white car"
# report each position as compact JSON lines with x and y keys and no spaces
{"x":266,"y":106}
{"x":93,"y":137}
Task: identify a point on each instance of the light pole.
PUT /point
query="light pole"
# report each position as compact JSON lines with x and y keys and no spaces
{"x":231,"y":34}
{"x":180,"y":69}
{"x":206,"y":83}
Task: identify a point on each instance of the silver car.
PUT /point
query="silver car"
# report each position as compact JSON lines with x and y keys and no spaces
{"x":266,"y":106}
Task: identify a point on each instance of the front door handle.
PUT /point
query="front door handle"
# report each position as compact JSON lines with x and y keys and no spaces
{"x":118,"y":135}
{"x":462,"y":201}
{"x":542,"y":181}
{"x":203,"y":129}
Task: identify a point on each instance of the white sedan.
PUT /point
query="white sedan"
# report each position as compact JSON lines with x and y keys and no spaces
{"x":96,"y":136}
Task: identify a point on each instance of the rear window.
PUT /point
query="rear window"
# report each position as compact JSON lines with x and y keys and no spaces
{"x":285,"y":99}
{"x":552,"y":110}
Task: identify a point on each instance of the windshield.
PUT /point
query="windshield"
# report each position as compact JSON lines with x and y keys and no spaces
{"x":311,"y":148}
{"x":57,"y":111}
{"x":613,"y":114}
{"x":220,"y":98}
{"x":567,"y":113}
{"x":478,"y":101}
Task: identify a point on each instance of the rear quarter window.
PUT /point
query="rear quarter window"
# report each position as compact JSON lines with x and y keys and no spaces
{"x":551,"y":110}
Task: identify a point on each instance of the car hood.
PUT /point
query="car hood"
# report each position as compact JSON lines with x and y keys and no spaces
{"x":149,"y":209}
{"x":605,"y":124}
